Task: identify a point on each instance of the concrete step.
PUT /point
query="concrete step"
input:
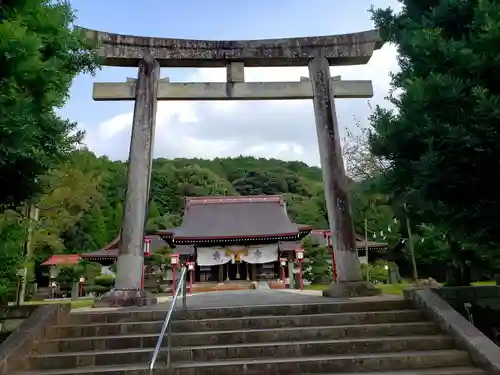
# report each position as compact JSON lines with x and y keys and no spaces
{"x":117,"y":316}
{"x":450,"y":362}
{"x":303,"y":333}
{"x":217,"y":352}
{"x":330,"y":363}
{"x":430,"y":371}
{"x":149,"y":314}
{"x":313,"y":347}
{"x":237,"y":336}
{"x":224,"y":324}
{"x":294,"y":309}
{"x":309,"y":320}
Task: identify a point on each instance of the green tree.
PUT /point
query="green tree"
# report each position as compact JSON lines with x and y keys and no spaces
{"x":12,"y":234}
{"x":304,"y":210}
{"x":318,"y":267}
{"x":40,"y":54}
{"x":442,"y":139}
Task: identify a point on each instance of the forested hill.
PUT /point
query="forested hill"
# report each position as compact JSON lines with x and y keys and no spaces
{"x":82,"y":204}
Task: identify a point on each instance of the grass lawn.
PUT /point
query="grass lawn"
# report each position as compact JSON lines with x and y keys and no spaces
{"x":315,"y":287}
{"x":484,"y":283}
{"x":395,"y":289}
{"x":77,"y":304}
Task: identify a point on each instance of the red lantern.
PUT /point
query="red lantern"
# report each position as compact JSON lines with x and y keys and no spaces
{"x":283,"y":262}
{"x":191,"y":267}
{"x":299,"y":255}
{"x":147,"y":253}
{"x":174,"y":261}
{"x":328,"y":236}
{"x":82,"y":281}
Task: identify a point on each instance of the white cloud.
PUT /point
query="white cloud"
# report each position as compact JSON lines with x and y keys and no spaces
{"x":280,"y":129}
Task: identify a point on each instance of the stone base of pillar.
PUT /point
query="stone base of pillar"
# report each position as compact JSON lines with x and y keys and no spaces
{"x":351,"y":289}
{"x":124,"y":298}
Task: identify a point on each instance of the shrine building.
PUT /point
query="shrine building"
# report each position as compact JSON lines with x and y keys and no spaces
{"x":232,"y":238}
{"x":228,"y":237}
{"x":236,"y":237}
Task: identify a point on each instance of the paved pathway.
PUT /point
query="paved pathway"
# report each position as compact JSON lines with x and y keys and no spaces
{"x":254,"y":297}
{"x":237,"y":298}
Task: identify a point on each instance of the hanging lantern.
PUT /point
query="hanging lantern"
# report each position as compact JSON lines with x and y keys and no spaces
{"x":147,"y":241}
{"x":283,"y":262}
{"x":299,"y":253}
{"x":174,"y":259}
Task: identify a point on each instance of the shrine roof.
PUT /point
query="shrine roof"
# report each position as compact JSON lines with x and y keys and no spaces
{"x":62,"y":259}
{"x":110,"y":251}
{"x":236,"y":217}
{"x":289,"y":245}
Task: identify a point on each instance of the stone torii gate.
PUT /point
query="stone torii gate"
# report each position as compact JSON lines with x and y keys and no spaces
{"x":149,"y":54}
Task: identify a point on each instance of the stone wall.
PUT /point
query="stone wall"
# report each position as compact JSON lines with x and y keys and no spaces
{"x":31,"y":326}
{"x":11,"y":317}
{"x":479,"y":304}
{"x":483,"y":296}
{"x":481,"y":349}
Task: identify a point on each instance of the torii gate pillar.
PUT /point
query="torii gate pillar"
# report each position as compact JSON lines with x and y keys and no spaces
{"x":128,"y":289}
{"x":349,"y":283}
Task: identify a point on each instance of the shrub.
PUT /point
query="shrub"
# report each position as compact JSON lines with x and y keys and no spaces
{"x":98,"y":290}
{"x":377,"y":272}
{"x":105,"y":280}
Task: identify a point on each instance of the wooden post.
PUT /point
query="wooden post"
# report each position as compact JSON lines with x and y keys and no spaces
{"x":33,"y":214}
{"x":410,"y":245}
{"x":335,"y":183}
{"x":130,"y":256}
{"x":291,"y":276}
{"x":221,"y":273}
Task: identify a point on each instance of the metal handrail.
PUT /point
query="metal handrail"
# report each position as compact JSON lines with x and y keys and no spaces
{"x":166,"y":322}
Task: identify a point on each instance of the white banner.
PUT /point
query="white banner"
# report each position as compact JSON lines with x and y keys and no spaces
{"x":261,"y":254}
{"x":213,"y":256}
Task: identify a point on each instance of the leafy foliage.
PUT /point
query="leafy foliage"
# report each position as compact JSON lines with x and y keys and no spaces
{"x":40,"y":54}
{"x":442,"y":140}
{"x":12,"y":233}
{"x":375,"y":273}
{"x":318,"y":265}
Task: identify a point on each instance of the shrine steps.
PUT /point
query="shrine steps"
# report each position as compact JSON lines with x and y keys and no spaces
{"x":387,"y":337}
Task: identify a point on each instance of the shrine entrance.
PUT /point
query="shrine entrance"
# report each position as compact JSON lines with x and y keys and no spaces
{"x":318,"y":53}
{"x":238,"y":271}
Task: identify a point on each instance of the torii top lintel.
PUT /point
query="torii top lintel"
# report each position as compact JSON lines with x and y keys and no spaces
{"x":343,"y":49}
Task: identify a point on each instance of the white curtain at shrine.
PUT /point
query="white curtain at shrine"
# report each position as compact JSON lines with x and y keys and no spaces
{"x":260,"y":254}
{"x":213,"y":256}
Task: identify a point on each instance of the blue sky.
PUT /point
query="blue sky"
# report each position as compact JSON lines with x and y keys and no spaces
{"x":108,"y":124}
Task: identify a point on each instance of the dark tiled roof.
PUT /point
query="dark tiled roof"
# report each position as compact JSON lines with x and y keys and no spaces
{"x":235,"y":217}
{"x":289,"y":245}
{"x":184,"y":249}
{"x":110,"y":251}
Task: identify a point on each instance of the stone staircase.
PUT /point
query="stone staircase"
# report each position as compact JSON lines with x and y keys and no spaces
{"x":375,"y":338}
